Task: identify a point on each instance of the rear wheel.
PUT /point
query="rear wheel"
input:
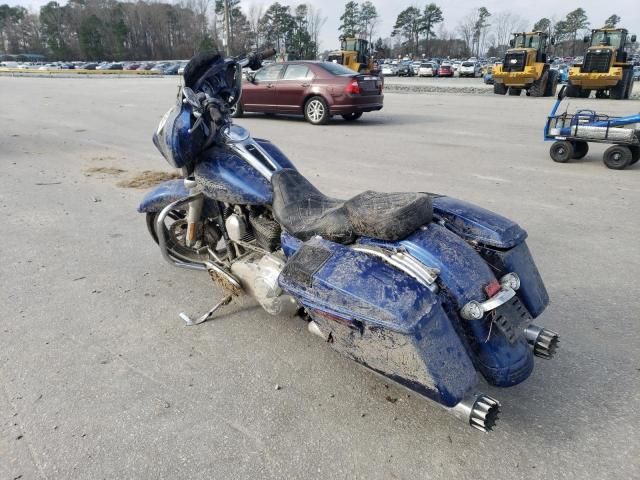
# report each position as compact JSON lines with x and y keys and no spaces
{"x":580,"y":149}
{"x":618,"y":157}
{"x":316,"y":111}
{"x":585,"y":93}
{"x":561,"y":151}
{"x":538,"y":87}
{"x":635,"y":154}
{"x":236,"y":111}
{"x":573,"y":91}
{"x":499,"y":88}
{"x":515,"y":92}
{"x":618,"y":92}
{"x":552,"y":84}
{"x":350,"y":117}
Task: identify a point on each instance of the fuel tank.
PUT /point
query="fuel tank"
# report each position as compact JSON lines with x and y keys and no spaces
{"x":227,"y":177}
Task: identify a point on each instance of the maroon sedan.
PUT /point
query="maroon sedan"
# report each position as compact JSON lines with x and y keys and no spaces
{"x":445,"y":71}
{"x":317,"y":90}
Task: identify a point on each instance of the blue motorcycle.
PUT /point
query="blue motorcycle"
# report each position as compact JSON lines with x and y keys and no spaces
{"x":420,"y":288}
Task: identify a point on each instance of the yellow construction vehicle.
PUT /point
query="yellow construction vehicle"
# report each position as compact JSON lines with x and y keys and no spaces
{"x":525,"y":67}
{"x":355,"y":54}
{"x":604,"y":68}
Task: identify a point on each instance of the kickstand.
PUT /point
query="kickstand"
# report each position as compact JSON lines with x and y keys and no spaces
{"x":206,"y":316}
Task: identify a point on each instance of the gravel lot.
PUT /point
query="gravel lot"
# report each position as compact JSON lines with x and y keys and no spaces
{"x":101,"y":379}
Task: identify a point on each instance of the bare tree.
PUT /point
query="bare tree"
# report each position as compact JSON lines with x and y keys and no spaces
{"x":504,"y":24}
{"x":315,"y":23}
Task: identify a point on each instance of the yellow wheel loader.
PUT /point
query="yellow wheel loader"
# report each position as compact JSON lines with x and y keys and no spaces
{"x":355,"y":54}
{"x":525,"y":67}
{"x":604,"y":68}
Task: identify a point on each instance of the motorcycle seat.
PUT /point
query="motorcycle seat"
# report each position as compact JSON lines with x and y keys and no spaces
{"x":305,"y":212}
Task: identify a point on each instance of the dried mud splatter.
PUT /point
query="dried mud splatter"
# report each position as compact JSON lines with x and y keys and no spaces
{"x":147,"y":179}
{"x":104,"y":171}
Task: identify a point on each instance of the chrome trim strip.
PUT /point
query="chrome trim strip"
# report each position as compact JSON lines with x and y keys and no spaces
{"x":405,"y":263}
{"x":240,"y":148}
{"x":502,"y":297}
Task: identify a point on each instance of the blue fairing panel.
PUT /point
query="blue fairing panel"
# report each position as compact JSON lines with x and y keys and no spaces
{"x":280,"y":158}
{"x":163,"y":195}
{"x":382,"y":318}
{"x":477,"y":224}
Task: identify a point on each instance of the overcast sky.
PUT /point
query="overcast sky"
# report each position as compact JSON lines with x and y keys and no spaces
{"x":531,"y":10}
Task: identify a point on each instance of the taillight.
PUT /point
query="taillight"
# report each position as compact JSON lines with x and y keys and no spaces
{"x":353,"y":88}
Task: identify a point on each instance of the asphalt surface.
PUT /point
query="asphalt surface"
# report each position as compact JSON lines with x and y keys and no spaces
{"x":101,"y":379}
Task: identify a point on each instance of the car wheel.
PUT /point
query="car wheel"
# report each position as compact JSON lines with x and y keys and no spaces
{"x":236,"y":111}
{"x":316,"y":111}
{"x":350,"y":117}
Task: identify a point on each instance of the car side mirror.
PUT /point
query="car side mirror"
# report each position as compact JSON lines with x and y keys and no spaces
{"x":586,"y":39}
{"x":512,"y":43}
{"x":633,"y":39}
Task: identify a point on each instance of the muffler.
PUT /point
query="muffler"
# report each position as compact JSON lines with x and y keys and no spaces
{"x":544,"y":342}
{"x":478,"y":410}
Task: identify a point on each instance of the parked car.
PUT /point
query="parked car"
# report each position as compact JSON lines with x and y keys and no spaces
{"x":427,"y":69}
{"x":405,"y":70}
{"x":445,"y":70}
{"x":415,"y":66}
{"x":469,"y":69}
{"x":170,"y":69}
{"x":389,"y":70}
{"x":132,"y":66}
{"x":636,"y":73}
{"x":317,"y":90}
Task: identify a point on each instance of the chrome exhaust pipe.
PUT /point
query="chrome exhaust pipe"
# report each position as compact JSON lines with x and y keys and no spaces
{"x":478,"y":410}
{"x":544,"y":342}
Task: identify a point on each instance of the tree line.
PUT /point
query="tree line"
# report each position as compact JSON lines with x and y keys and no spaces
{"x":151,"y":30}
{"x":420,"y":31}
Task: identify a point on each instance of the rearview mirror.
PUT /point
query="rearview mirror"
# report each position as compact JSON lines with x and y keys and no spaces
{"x":633,"y":39}
{"x":586,"y":39}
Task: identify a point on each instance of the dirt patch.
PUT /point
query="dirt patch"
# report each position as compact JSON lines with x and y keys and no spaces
{"x":104,"y":171}
{"x":148,"y":178}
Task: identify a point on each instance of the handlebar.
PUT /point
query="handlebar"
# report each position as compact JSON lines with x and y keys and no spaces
{"x":254,"y":61}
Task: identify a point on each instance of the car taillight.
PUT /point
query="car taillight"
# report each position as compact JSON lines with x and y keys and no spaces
{"x":353,"y":88}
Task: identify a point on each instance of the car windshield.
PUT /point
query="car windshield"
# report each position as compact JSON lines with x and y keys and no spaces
{"x":467,"y":64}
{"x":613,"y":39}
{"x":336,"y":68}
{"x":527,"y":41}
{"x":426,"y":65}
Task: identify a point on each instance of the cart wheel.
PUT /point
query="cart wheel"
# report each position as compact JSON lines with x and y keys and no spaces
{"x":580,"y":149}
{"x":618,"y":157}
{"x":635,"y":154}
{"x":561,"y":151}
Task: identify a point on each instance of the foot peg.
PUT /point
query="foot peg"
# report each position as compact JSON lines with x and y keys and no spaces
{"x":206,"y":316}
{"x":544,"y":342}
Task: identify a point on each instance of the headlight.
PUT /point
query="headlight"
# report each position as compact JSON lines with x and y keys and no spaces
{"x":510,"y":280}
{"x":472,"y":311}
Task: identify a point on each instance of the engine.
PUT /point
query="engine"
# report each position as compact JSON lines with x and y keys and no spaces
{"x":259,"y":277}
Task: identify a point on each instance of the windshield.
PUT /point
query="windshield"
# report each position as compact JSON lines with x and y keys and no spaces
{"x":467,"y":64}
{"x":613,"y":39}
{"x":353,"y":44}
{"x":426,"y":65}
{"x":336,"y":68}
{"x":527,"y":41}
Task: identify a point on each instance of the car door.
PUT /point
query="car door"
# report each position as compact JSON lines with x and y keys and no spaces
{"x":292,"y":87}
{"x":259,"y":95}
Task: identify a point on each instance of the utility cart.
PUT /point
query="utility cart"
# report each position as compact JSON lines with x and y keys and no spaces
{"x":571,"y":134}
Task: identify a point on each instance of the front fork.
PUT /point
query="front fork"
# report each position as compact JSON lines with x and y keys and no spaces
{"x":194,"y":213}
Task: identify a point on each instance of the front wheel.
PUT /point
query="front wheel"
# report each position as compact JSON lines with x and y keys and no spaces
{"x":561,"y":151}
{"x":175,"y":230}
{"x":350,"y":117}
{"x":316,"y":111}
{"x":499,"y":88}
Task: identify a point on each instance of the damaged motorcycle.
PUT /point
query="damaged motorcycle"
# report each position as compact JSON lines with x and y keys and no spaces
{"x":423,"y":289}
